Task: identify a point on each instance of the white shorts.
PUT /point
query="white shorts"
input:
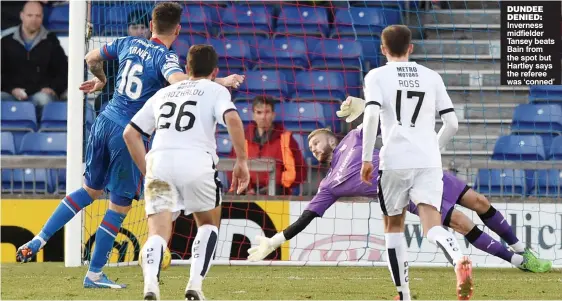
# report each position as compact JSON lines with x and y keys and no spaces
{"x":181,"y":180}
{"x":397,"y":187}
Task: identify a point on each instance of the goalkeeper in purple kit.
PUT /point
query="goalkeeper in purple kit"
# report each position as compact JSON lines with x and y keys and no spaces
{"x":144,"y":68}
{"x":344,"y":180}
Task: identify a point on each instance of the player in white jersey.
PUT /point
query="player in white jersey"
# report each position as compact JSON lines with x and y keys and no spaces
{"x":180,"y":168}
{"x":407,"y":96}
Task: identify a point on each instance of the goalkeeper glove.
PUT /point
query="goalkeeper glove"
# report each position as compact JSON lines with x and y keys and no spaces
{"x":265,"y":247}
{"x":351,"y":108}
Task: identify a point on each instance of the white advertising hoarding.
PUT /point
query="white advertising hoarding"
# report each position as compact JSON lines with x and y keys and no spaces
{"x":354,"y":232}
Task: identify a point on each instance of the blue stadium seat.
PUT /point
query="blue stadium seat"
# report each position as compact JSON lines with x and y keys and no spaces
{"x":300,"y":117}
{"x":224,"y":145}
{"x":332,"y":120}
{"x":381,"y":3}
{"x":196,"y":19}
{"x":249,"y":20}
{"x":58,"y":177}
{"x":26,"y":181}
{"x":556,"y":149}
{"x":233,"y":53}
{"x":537,"y":119}
{"x":53,"y":117}
{"x":58,"y":19}
{"x":337,"y":54}
{"x":497,"y":182}
{"x":303,"y":20}
{"x":549,"y":94}
{"x":283,"y":53}
{"x":8,"y":146}
{"x":115,"y":19}
{"x":519,"y":147}
{"x":363,"y":21}
{"x":181,"y":47}
{"x":245,"y":111}
{"x":224,"y":180}
{"x":268,"y":83}
{"x":44,"y":144}
{"x":18,"y":116}
{"x":548,"y":183}
{"x":319,"y":86}
{"x":371,"y":47}
{"x":90,"y":116}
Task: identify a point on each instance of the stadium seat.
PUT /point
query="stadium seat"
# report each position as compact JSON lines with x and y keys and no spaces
{"x":58,"y":177}
{"x":337,"y":54}
{"x":319,"y":86}
{"x":549,"y":94}
{"x":181,"y":47}
{"x":196,"y":18}
{"x":363,"y":21}
{"x":302,"y":141}
{"x":58,"y":19}
{"x":389,"y":4}
{"x":537,"y":119}
{"x":26,"y":181}
{"x":252,"y":20}
{"x":18,"y":116}
{"x":497,"y":182}
{"x":547,"y":183}
{"x":245,"y":111}
{"x":266,"y":83}
{"x":371,"y":47}
{"x":283,"y":53}
{"x":300,"y":117}
{"x":303,"y":20}
{"x":556,"y":149}
{"x":519,"y":147}
{"x":53,"y":117}
{"x":233,"y":53}
{"x":224,"y":145}
{"x":44,"y":144}
{"x":115,"y":21}
{"x":90,"y":116}
{"x":331,"y":119}
{"x":8,"y":146}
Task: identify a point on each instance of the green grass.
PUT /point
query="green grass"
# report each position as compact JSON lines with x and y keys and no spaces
{"x":53,"y":281}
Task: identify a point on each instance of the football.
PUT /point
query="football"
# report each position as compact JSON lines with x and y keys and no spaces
{"x":166,"y":259}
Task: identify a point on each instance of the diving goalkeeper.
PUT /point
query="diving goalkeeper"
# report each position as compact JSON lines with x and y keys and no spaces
{"x":344,"y":180}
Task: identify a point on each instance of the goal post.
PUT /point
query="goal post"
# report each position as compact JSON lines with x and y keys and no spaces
{"x":75,"y":128}
{"x":309,"y":56}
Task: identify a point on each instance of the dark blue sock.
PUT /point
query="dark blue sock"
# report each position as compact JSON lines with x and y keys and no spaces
{"x":105,"y":236}
{"x":67,"y":209}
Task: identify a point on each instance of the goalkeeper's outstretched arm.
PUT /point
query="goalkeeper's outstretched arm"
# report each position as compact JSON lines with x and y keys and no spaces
{"x":267,"y":245}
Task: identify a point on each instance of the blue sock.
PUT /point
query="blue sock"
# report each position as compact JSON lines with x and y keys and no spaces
{"x":105,"y":236}
{"x":67,"y":209}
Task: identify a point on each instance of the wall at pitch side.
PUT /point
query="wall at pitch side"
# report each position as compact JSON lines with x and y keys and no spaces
{"x":23,"y":219}
{"x":354,"y":232}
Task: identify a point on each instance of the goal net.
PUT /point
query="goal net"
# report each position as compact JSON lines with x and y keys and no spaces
{"x":308,"y":56}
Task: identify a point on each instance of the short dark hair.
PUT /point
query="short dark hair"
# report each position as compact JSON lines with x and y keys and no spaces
{"x":201,"y":60}
{"x":397,"y":39}
{"x":263,"y":100}
{"x":166,"y":17}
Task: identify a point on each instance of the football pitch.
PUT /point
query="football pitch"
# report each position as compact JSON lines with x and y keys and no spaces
{"x":52,"y":281}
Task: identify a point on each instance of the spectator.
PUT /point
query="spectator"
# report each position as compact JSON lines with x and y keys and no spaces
{"x":138,"y":21}
{"x":266,"y":139}
{"x":34,"y":65}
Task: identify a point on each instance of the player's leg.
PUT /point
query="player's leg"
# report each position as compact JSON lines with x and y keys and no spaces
{"x":481,"y":240}
{"x":393,"y":198}
{"x":427,"y":193}
{"x":496,"y":222}
{"x":97,"y":162}
{"x":124,"y":183}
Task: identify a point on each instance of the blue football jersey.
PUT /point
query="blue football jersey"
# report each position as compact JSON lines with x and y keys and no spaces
{"x":144,"y":66}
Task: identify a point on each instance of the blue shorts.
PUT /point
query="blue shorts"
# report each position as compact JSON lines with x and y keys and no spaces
{"x":109,"y":165}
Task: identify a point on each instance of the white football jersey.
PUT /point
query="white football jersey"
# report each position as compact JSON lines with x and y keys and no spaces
{"x":184,"y":116}
{"x":410,"y":97}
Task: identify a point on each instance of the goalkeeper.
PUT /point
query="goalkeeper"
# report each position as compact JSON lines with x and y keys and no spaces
{"x":344,"y":180}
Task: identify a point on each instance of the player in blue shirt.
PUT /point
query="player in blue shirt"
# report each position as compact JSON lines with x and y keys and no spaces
{"x":144,"y":67}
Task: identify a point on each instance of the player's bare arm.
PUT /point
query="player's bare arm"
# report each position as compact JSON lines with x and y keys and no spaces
{"x":94,"y":61}
{"x":135,"y":145}
{"x":233,"y":80}
{"x":240,"y":172}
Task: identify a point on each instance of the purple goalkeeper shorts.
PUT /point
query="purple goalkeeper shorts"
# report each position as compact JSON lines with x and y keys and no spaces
{"x":453,"y":191}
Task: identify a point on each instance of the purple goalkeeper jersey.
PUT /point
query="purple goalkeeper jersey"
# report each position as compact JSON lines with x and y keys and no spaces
{"x":344,"y":179}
